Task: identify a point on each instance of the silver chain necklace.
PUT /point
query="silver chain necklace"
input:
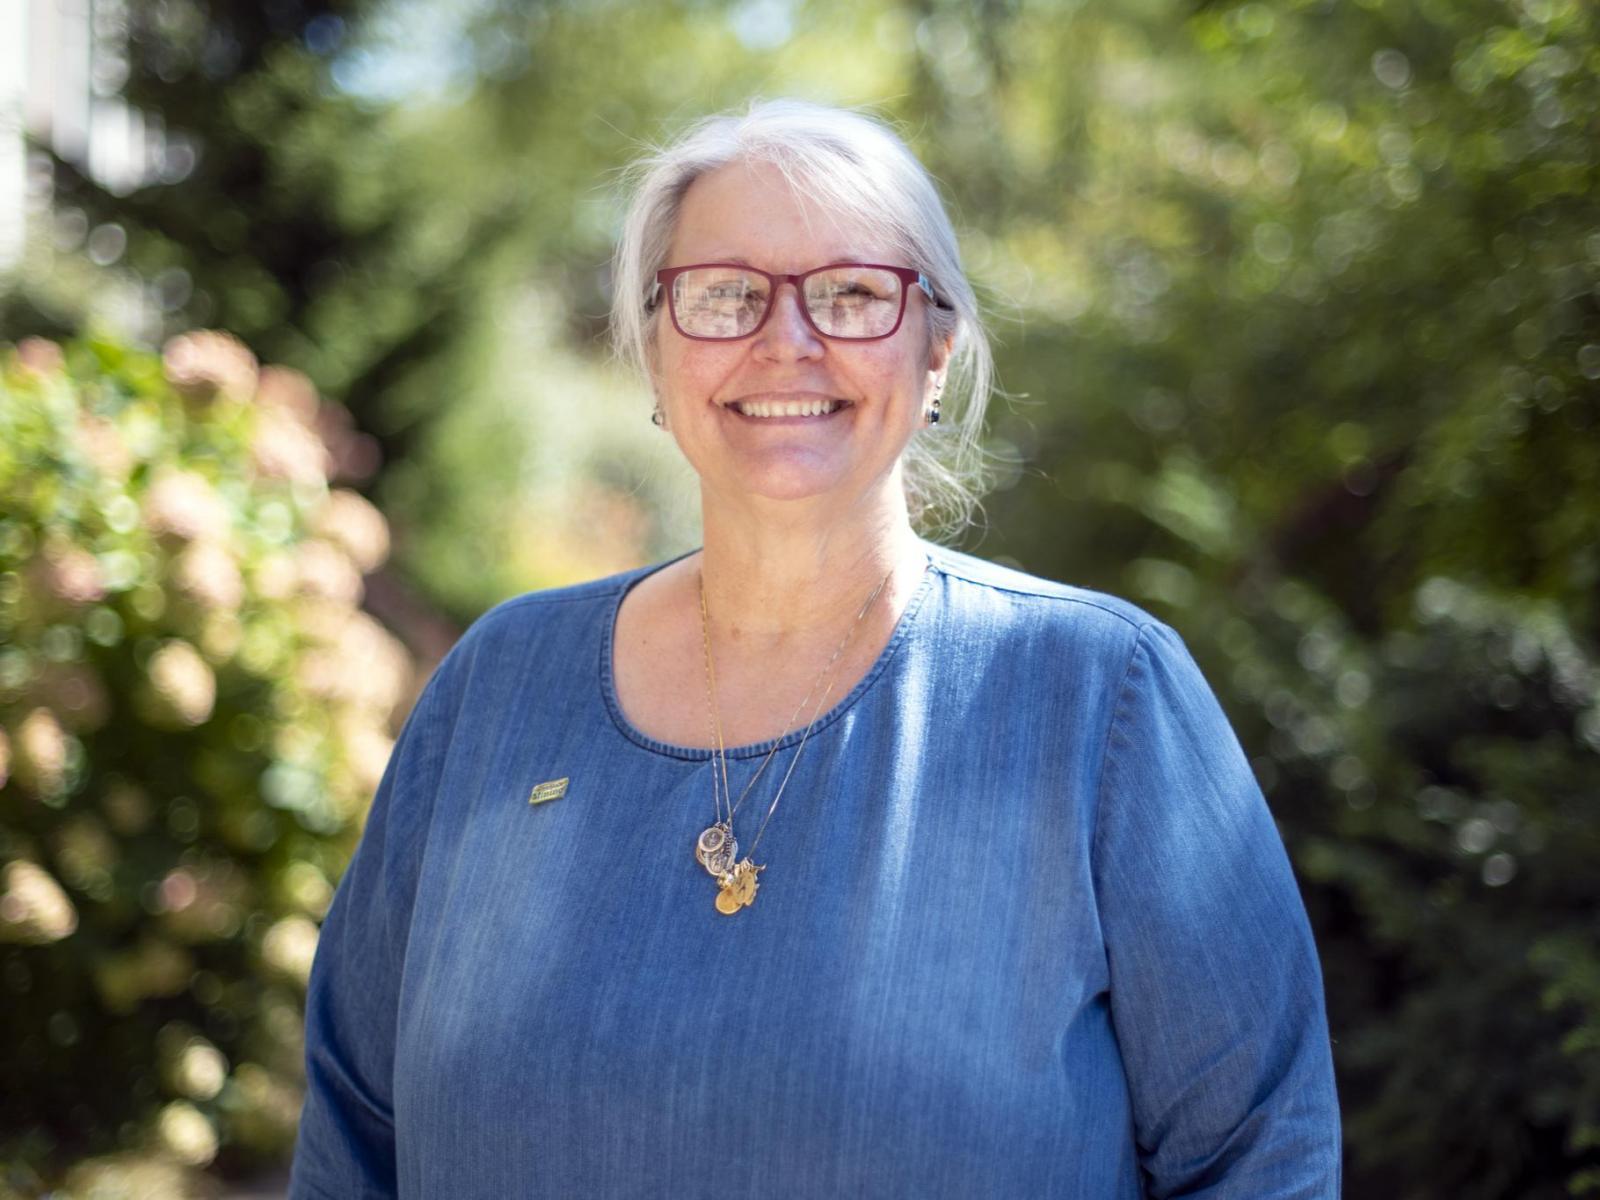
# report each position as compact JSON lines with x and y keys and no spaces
{"x":716,"y":849}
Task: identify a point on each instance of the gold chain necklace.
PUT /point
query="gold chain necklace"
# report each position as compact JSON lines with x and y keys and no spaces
{"x":716,"y":849}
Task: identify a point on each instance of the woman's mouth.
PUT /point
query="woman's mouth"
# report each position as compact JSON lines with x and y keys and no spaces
{"x":769,"y":409}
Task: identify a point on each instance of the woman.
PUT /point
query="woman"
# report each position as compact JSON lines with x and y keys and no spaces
{"x":822,"y":860}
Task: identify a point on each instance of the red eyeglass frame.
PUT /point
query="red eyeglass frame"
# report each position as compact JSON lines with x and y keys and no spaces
{"x":908,"y":276}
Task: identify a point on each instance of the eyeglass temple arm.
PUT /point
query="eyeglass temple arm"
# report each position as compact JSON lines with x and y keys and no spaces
{"x":926,"y":285}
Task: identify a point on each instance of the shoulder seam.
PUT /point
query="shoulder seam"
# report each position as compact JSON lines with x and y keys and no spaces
{"x":947,"y":568}
{"x":581,"y":591}
{"x":587,"y":592}
{"x":1112,"y":723}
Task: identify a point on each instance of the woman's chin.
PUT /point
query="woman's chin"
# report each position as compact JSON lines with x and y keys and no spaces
{"x":792,"y":481}
{"x":792,"y":489}
{"x":804,"y":484}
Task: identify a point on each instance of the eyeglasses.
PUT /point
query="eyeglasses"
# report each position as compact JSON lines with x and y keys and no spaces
{"x":858,"y":302}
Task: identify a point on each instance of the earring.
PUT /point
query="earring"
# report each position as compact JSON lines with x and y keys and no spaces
{"x":933,"y":409}
{"x":658,"y":418}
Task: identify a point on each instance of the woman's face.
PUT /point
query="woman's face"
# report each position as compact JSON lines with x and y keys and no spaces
{"x":748,"y":212}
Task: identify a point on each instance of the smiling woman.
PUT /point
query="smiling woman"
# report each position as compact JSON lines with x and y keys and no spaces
{"x":778,"y":389}
{"x":853,"y":183}
{"x":1022,"y":925}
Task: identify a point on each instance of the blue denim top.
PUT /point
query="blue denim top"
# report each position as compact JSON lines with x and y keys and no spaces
{"x":1026,"y":929}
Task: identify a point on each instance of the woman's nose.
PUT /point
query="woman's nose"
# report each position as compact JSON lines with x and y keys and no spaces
{"x":787,"y":330}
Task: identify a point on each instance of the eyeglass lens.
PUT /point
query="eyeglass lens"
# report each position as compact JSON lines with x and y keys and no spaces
{"x":843,"y":302}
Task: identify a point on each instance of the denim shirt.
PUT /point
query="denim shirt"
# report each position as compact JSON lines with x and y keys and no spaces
{"x":1026,"y":929}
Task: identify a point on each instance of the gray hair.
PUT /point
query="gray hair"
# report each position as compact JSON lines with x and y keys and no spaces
{"x":856,"y":166}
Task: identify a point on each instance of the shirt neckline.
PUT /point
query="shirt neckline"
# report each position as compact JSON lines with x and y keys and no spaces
{"x":608,"y":690}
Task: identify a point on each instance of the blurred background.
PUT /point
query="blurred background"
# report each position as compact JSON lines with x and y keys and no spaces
{"x":302,"y":366}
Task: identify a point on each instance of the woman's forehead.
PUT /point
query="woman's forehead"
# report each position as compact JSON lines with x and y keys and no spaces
{"x":815,"y":257}
{"x":752,"y":213}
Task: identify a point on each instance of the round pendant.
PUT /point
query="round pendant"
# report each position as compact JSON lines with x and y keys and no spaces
{"x":715,"y":849}
{"x":737,"y":887}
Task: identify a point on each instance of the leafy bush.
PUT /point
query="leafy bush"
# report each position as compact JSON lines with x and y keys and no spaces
{"x":193,"y":713}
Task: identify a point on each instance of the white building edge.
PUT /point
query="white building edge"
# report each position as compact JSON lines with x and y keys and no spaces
{"x":62,"y":67}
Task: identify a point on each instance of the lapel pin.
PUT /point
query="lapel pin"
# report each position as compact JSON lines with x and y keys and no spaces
{"x":552,"y":789}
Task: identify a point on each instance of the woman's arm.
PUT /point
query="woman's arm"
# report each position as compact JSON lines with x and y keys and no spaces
{"x":346,"y":1149}
{"x":1216,"y":992}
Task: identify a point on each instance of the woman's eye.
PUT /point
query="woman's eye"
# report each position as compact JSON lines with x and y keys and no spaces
{"x":723,"y":293}
{"x":850,"y":293}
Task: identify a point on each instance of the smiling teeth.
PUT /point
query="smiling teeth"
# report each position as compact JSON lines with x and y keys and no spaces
{"x":788,"y":408}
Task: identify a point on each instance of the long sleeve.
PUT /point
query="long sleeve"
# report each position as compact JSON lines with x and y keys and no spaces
{"x":1216,"y":992}
{"x":345,"y":1149}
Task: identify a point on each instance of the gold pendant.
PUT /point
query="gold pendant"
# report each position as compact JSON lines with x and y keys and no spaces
{"x":738,"y":888}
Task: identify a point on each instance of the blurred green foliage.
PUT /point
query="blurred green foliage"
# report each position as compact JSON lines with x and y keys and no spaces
{"x":1298,"y":305}
{"x":193,"y":714}
{"x":1330,"y":406}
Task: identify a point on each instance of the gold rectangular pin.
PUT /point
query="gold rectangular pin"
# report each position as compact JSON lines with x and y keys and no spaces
{"x":552,"y":789}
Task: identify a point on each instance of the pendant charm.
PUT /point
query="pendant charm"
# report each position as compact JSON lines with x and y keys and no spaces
{"x":738,"y":887}
{"x":715,"y":849}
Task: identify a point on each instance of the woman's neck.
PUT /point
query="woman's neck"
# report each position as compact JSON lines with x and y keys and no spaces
{"x":773,"y":586}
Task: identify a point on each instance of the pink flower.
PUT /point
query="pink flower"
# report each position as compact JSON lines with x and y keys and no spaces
{"x":208,"y":573}
{"x":351,"y":456}
{"x":101,"y":443}
{"x":353,"y":522}
{"x":33,"y":908}
{"x":356,"y":660}
{"x":323,"y":569}
{"x":183,"y":682}
{"x":41,"y":753}
{"x":184,"y":503}
{"x":356,"y":455}
{"x":283,"y":448}
{"x":289,"y":390}
{"x":367,"y":750}
{"x":68,"y":572}
{"x":208,"y":364}
{"x":274,"y":575}
{"x":40,"y":355}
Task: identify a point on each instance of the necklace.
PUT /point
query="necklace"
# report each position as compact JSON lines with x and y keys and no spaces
{"x":716,"y":849}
